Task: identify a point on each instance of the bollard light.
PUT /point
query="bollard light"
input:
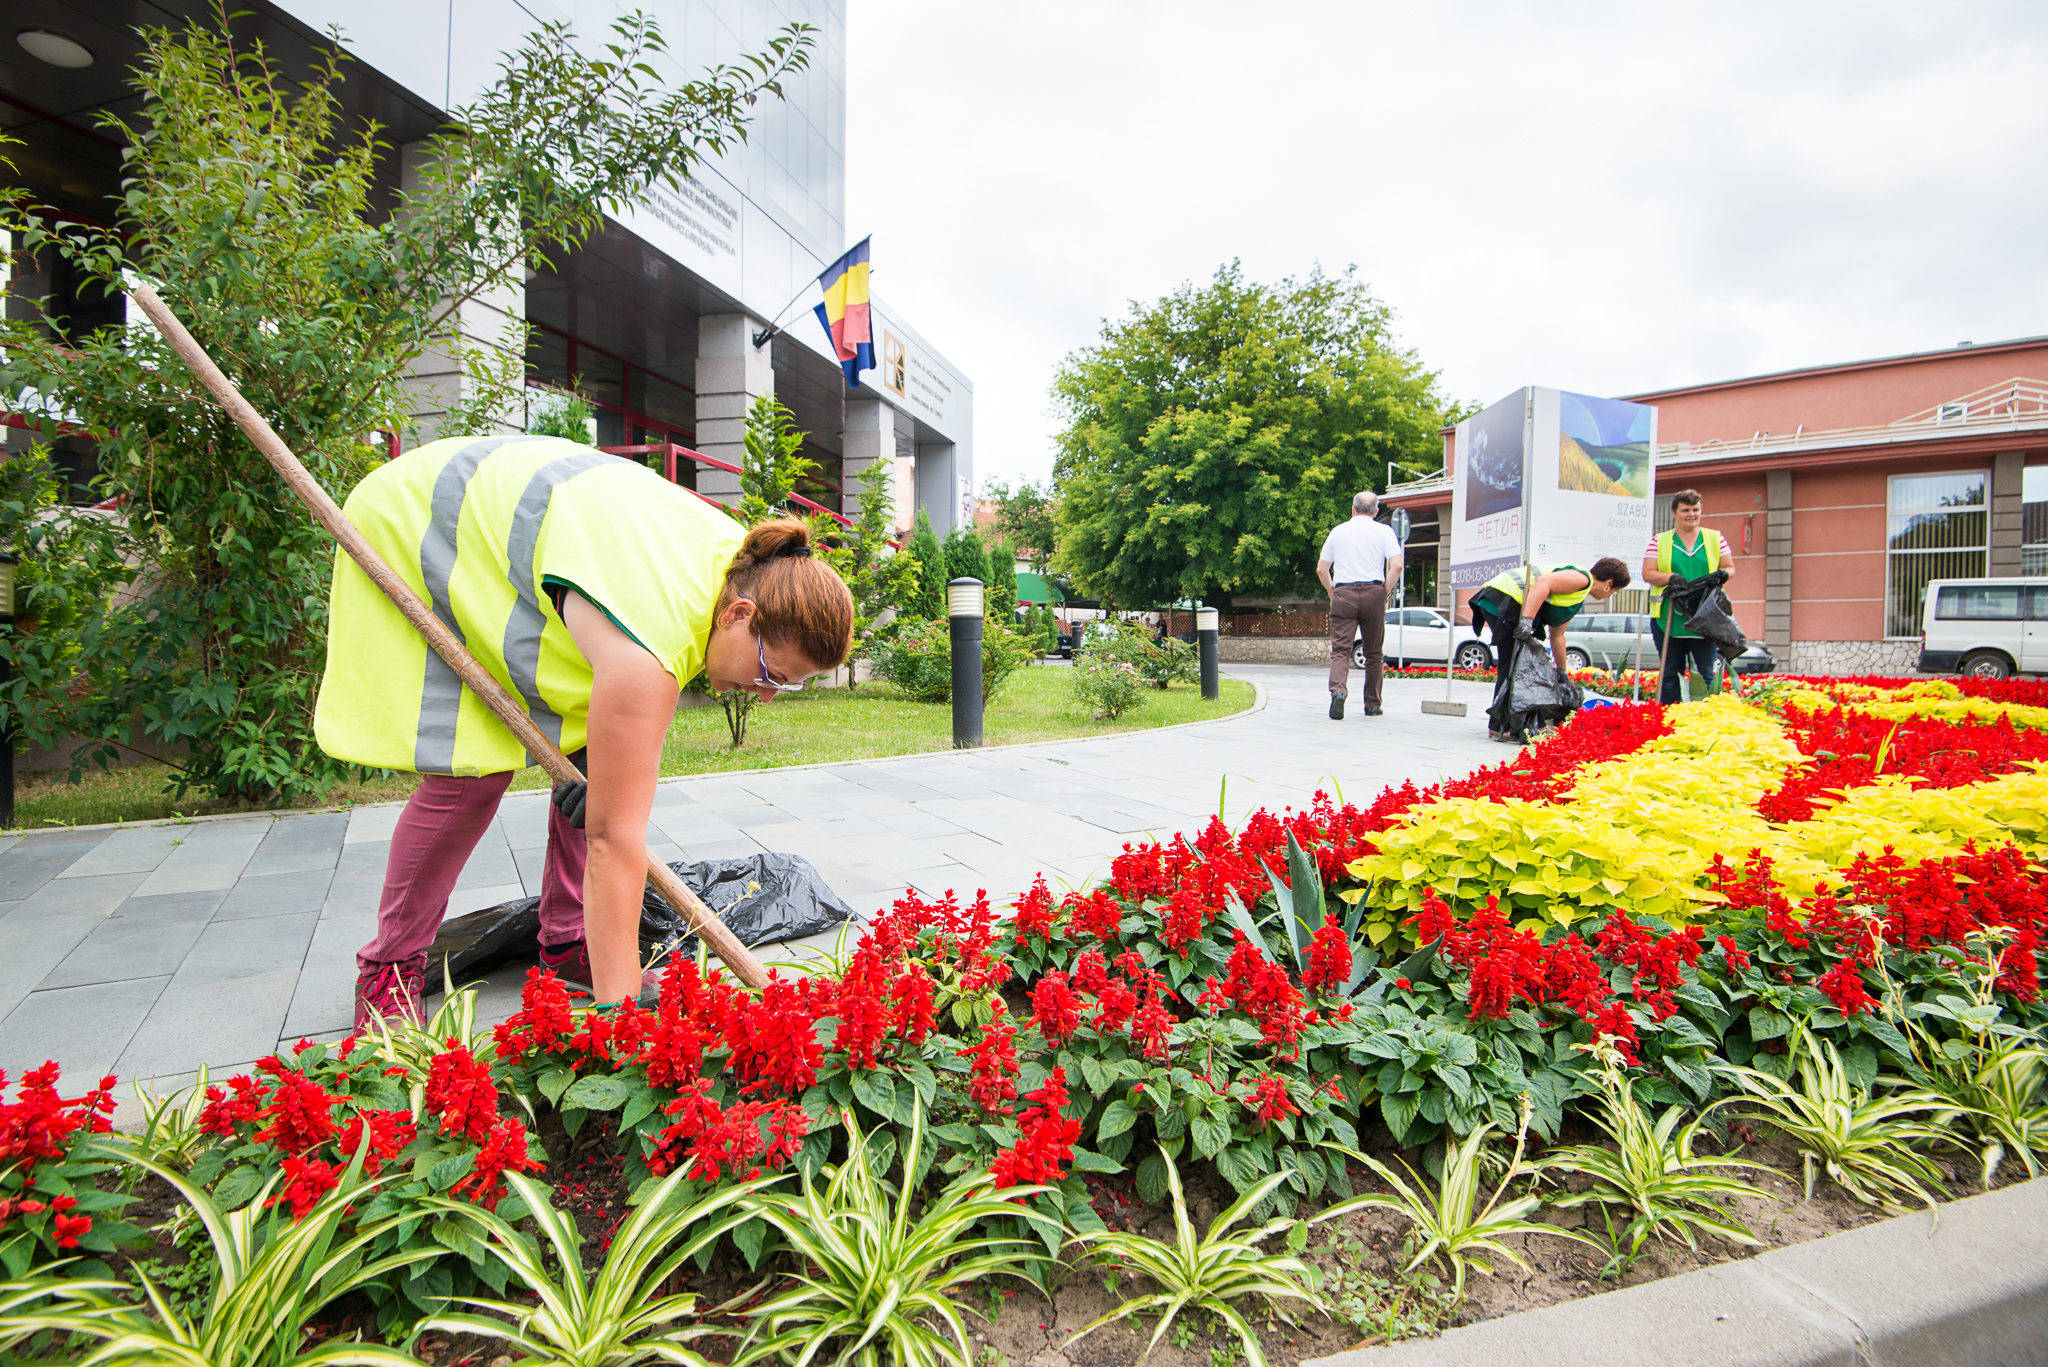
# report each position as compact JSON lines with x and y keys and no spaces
{"x":1208,"y":622}
{"x":964,"y":598}
{"x":963,"y":607}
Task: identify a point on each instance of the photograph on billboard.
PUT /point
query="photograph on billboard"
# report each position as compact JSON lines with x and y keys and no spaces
{"x":1590,"y":475}
{"x":1486,"y":493}
{"x":1493,"y":465}
{"x":1603,"y":445}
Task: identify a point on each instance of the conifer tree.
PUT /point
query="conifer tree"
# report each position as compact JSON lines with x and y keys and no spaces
{"x":928,"y":599}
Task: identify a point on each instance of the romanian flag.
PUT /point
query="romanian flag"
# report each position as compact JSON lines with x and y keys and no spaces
{"x":845,"y":312}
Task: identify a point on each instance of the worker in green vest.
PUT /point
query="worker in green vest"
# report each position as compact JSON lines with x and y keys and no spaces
{"x":594,"y":590}
{"x":1515,"y":602}
{"x":1688,"y":552}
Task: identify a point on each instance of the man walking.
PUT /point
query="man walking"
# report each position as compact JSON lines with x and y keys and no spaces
{"x":1359,"y":559}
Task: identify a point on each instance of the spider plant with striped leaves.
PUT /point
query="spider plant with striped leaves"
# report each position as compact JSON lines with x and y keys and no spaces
{"x":1213,"y":1273}
{"x":617,"y":1317}
{"x":1448,"y":1221}
{"x":274,"y":1274}
{"x":875,"y":1282}
{"x":1651,"y":1172}
{"x":1863,"y":1141}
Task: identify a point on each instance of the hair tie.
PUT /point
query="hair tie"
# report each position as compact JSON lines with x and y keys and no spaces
{"x":804,"y":551}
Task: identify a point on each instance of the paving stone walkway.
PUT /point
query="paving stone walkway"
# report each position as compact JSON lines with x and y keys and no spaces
{"x":147,"y":950}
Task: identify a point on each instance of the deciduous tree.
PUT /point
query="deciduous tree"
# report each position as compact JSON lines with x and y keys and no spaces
{"x":1212,"y":438}
{"x":247,"y":202}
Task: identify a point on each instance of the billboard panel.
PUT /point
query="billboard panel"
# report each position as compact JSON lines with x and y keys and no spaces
{"x":1591,"y":471}
{"x":1486,"y":493}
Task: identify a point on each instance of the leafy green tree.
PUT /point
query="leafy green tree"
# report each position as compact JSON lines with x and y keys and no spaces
{"x":965,"y":557}
{"x":772,"y":462}
{"x":1212,"y":438}
{"x":1002,"y":582}
{"x":929,"y":599}
{"x":248,"y":203}
{"x":880,"y":576}
{"x":1028,"y":519}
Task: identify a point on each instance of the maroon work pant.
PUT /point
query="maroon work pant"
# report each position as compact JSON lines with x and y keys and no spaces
{"x":1358,"y":612}
{"x":436,"y":834}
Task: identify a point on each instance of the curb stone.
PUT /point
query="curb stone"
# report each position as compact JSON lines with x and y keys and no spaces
{"x":1971,"y":1289}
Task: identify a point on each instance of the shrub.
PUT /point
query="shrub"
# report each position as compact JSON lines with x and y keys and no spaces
{"x":918,"y":658}
{"x":1107,"y":685}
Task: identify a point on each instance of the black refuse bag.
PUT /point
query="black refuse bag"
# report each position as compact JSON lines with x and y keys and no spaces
{"x":763,"y":899}
{"x":1708,"y":613}
{"x":1532,"y":694}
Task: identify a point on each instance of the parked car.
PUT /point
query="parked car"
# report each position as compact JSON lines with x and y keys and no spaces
{"x":1608,"y":640}
{"x":1755,"y":660}
{"x":1425,"y":636}
{"x":1985,"y":628}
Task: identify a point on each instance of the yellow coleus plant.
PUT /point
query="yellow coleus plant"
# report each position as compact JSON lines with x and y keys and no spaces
{"x":1547,"y":863}
{"x":1928,"y":699}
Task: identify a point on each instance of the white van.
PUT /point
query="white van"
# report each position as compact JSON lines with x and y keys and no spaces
{"x":1985,"y":628}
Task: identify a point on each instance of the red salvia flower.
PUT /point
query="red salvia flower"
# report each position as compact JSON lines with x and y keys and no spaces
{"x":1269,"y":1098}
{"x":1329,"y":959}
{"x":992,"y":1067}
{"x":460,"y":1091}
{"x":1054,"y":1007}
{"x":306,"y":1181}
{"x":504,"y":1149}
{"x":300,"y":1113}
{"x":1035,"y":914}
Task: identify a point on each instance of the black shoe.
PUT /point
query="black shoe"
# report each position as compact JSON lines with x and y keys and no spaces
{"x":1336,"y":707}
{"x":1371,"y":711}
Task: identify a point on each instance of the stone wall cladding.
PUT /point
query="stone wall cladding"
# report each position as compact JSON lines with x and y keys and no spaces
{"x":1290,"y":650}
{"x":1893,"y":658}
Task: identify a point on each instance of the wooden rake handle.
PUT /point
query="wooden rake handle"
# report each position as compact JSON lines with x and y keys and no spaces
{"x":474,"y":676}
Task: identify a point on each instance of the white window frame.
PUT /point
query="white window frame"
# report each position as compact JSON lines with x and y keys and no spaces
{"x":1983,"y":551}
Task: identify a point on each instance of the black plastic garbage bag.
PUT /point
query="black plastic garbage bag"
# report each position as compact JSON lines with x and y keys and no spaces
{"x":764,"y":899}
{"x":1534,"y":694}
{"x":1708,"y":613}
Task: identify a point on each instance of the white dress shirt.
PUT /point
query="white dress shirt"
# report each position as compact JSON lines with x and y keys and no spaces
{"x":1358,"y":551}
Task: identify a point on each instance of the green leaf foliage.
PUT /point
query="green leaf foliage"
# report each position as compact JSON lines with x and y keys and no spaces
{"x":1213,"y":437}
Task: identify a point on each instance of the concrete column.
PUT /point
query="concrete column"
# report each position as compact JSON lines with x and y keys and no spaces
{"x":731,"y":373}
{"x":938,"y":485}
{"x":1778,"y":563}
{"x":444,"y":387}
{"x":870,"y":439}
{"x":2008,"y":474}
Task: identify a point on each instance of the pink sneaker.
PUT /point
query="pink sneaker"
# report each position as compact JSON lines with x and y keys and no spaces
{"x":393,"y":991}
{"x":571,"y":963}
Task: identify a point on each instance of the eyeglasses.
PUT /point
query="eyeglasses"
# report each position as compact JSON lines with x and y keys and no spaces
{"x":761,"y":652}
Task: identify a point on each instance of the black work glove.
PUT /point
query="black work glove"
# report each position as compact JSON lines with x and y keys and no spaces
{"x":1525,"y":628}
{"x":1716,"y":579}
{"x":1678,"y":581}
{"x":569,"y":800}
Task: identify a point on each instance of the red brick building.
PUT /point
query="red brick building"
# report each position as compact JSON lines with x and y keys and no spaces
{"x":1843,"y":489}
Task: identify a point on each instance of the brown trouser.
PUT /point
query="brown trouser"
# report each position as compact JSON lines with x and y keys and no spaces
{"x":1358,"y":612}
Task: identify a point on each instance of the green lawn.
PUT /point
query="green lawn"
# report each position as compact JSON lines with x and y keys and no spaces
{"x":817,"y":727}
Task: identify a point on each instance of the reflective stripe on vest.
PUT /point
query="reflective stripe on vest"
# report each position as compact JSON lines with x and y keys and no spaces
{"x":1515,"y":584}
{"x":477,"y":527}
{"x":1666,"y":547}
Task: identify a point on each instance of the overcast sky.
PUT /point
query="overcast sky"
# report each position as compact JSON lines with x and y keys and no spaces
{"x":1603,"y":197}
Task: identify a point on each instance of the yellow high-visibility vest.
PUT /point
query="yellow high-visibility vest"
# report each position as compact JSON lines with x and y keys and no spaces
{"x":1515,"y":584}
{"x":479,"y":527}
{"x":1667,"y":545}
